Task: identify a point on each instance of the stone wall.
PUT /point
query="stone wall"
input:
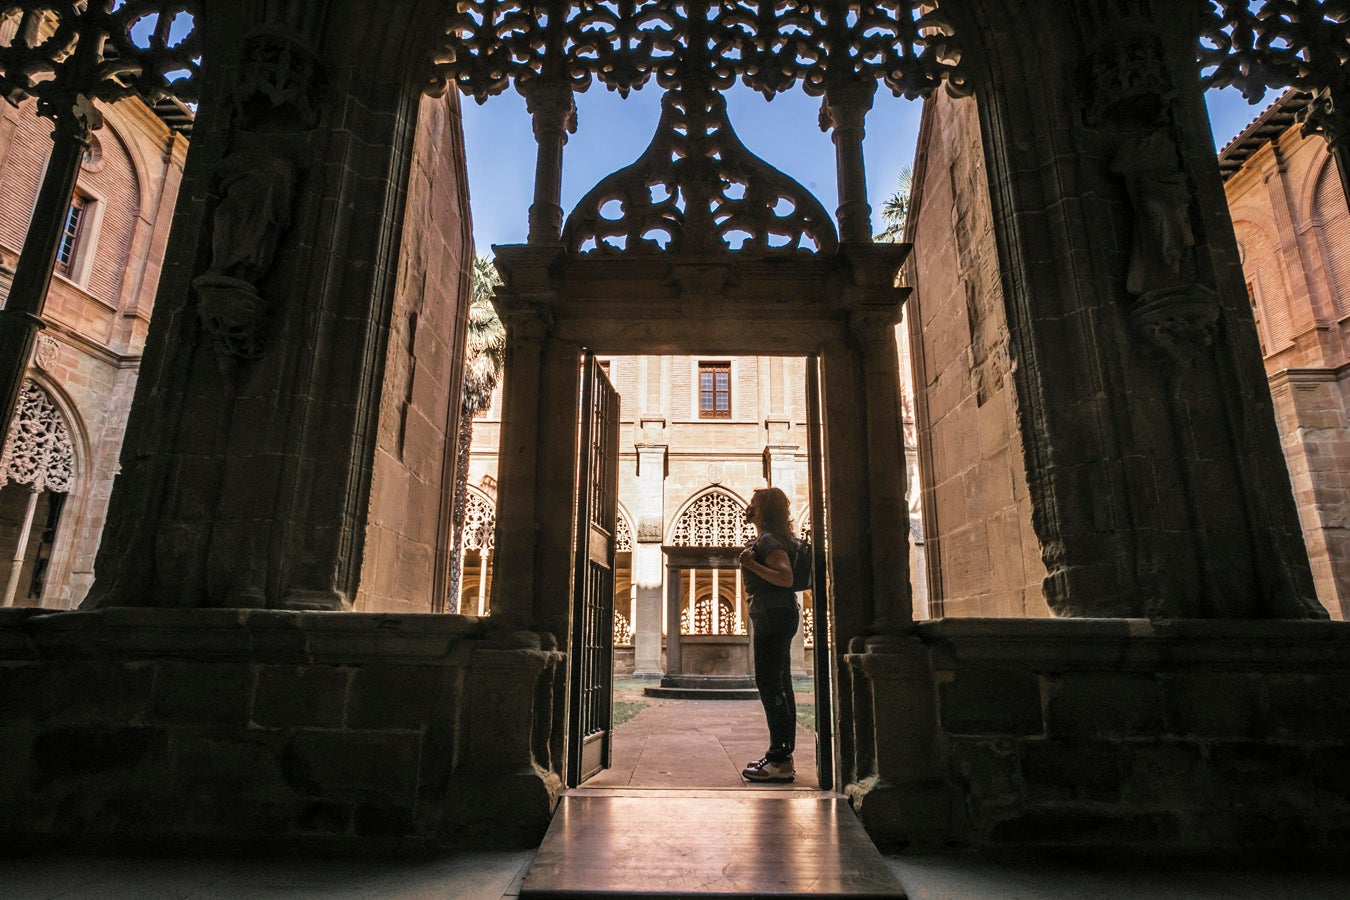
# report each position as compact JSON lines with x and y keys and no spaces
{"x":1181,"y":736}
{"x":982,"y":555}
{"x":228,"y":728}
{"x":406,"y":555}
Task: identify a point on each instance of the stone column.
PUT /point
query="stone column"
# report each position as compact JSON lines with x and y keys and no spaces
{"x":1152,"y":459}
{"x":648,"y":563}
{"x":246,"y":466}
{"x":673,"y":660}
{"x":516,"y":535}
{"x":888,"y":512}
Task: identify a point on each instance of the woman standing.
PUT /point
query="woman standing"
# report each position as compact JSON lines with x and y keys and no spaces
{"x":767,"y":565}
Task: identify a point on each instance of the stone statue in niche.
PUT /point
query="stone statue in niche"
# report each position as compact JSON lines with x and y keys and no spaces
{"x":257,"y":189}
{"x":1150,"y":166}
{"x":1129,"y":94}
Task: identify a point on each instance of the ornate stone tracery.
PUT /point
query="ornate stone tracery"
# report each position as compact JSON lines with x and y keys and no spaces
{"x":1275,"y":43}
{"x":623,"y":534}
{"x":98,"y":51}
{"x":38,"y":450}
{"x":697,"y":188}
{"x":480,"y":523}
{"x":907,"y":45}
{"x":715,"y":519}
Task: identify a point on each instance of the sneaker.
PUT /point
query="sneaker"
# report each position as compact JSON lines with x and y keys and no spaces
{"x":765,"y":770}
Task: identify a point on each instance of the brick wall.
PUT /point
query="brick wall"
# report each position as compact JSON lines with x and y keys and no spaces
{"x":98,"y":320}
{"x":1293,"y":230}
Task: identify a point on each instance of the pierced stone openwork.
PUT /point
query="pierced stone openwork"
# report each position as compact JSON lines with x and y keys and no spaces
{"x":38,"y":450}
{"x":623,"y":535}
{"x":713,"y":520}
{"x":480,"y":523}
{"x":1275,"y":43}
{"x":697,"y":188}
{"x":907,"y":45}
{"x":98,"y":50}
{"x":702,"y":621}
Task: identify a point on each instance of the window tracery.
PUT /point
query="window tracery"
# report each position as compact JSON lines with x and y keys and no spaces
{"x":480,"y":523}
{"x":715,"y":519}
{"x":702,"y":618}
{"x":623,"y":631}
{"x":38,"y":450}
{"x":623,"y":535}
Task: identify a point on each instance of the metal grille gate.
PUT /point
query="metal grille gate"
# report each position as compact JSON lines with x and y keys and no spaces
{"x":592,"y":644}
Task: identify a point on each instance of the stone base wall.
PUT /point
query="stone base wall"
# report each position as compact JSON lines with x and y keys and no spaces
{"x":1174,"y":737}
{"x":249,"y":728}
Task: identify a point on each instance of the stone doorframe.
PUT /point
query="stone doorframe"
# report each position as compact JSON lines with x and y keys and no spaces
{"x":841,"y":308}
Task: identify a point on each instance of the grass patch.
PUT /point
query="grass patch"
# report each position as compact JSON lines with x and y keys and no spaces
{"x":806,"y":716}
{"x":626,"y":709}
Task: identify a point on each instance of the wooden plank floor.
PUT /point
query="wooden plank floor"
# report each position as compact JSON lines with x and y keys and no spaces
{"x":656,"y":843}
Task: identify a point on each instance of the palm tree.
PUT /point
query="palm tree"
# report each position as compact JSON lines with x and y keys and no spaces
{"x":895,"y":210}
{"x":484,"y":353}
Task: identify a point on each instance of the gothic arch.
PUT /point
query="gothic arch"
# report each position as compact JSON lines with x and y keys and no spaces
{"x":115,"y":127}
{"x":1264,"y":265}
{"x":46,"y":448}
{"x":714,"y":517}
{"x":1330,"y":218}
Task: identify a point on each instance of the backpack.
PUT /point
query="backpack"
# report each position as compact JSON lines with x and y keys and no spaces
{"x":803,"y":563}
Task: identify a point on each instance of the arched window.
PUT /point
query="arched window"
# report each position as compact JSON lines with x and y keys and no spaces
{"x":716,"y":519}
{"x":36,"y":470}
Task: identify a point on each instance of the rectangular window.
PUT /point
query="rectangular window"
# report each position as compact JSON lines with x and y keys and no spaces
{"x":67,"y":252}
{"x":714,"y":390}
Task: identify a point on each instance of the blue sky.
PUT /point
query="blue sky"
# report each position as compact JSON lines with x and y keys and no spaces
{"x":612,"y":132}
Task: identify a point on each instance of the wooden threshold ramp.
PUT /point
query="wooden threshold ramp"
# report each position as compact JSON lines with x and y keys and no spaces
{"x":738,"y":843}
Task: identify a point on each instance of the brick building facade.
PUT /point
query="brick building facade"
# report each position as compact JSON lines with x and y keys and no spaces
{"x":1293,"y":231}
{"x":97,"y":315}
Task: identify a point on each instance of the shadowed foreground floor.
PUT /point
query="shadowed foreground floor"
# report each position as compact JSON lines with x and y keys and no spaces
{"x":638,"y":746}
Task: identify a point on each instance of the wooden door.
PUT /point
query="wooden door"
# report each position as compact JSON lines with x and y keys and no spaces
{"x":821,"y":601}
{"x":592,"y":645}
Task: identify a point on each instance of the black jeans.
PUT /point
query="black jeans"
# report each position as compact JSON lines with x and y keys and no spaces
{"x":774,"y":629}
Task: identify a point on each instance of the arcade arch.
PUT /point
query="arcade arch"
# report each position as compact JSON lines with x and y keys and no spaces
{"x":37,"y":474}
